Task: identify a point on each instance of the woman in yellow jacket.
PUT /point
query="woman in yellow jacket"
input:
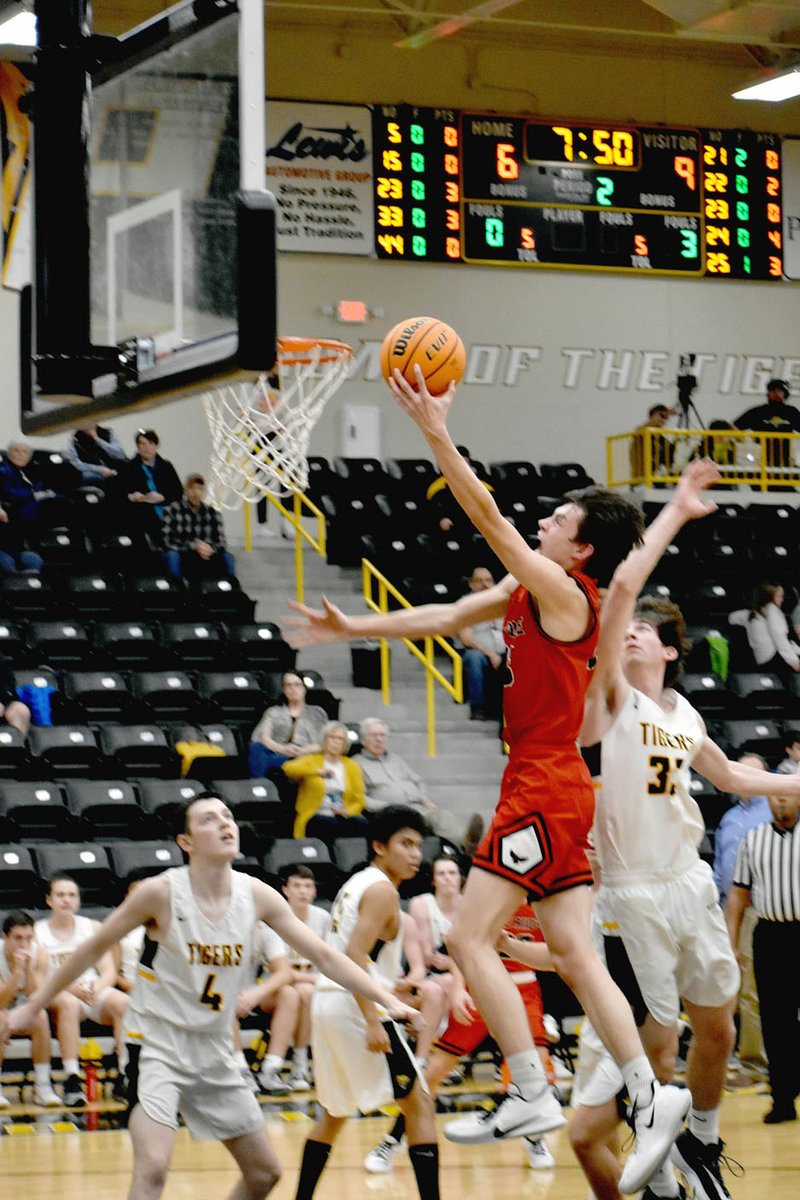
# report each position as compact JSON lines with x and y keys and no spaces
{"x":330,"y":798}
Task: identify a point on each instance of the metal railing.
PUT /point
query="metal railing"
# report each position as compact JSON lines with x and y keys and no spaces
{"x":294,"y":516}
{"x":652,"y":457}
{"x":372,"y":576}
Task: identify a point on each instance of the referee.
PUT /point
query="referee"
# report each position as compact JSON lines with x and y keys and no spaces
{"x":767,"y":875}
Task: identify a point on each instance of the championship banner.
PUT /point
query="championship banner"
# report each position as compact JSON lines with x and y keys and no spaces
{"x":16,"y":150}
{"x":319,"y":168}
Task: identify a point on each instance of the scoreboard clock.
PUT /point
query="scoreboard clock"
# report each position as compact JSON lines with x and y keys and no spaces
{"x":515,"y":191}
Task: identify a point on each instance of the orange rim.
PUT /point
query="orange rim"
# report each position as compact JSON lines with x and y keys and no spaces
{"x":300,"y":350}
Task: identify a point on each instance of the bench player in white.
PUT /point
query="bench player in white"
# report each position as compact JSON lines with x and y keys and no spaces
{"x":655,"y":891}
{"x":23,"y":966}
{"x":361,"y":1061}
{"x":200,"y":922}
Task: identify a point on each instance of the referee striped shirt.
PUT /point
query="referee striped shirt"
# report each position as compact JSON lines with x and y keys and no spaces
{"x":768,"y":863}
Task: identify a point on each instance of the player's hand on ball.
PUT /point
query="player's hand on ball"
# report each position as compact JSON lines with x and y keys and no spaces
{"x":314,"y":627}
{"x":425,"y":409}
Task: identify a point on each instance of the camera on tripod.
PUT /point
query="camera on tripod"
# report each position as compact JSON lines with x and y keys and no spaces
{"x":686,"y":381}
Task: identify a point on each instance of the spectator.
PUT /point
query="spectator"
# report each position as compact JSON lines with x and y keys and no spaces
{"x":300,"y":890}
{"x":148,"y":483}
{"x":12,"y":711}
{"x":776,"y":416}
{"x":768,"y":632}
{"x":791,"y":744}
{"x":286,"y":730}
{"x":96,"y":453}
{"x":433,"y":914}
{"x":662,"y":449}
{"x":388,"y":779}
{"x":767,"y":876}
{"x":266,"y":994}
{"x":330,"y":799}
{"x":13,"y":555}
{"x":484,"y":655}
{"x":23,"y":966}
{"x":30,"y":502}
{"x":194,"y":537}
{"x":92,"y":996}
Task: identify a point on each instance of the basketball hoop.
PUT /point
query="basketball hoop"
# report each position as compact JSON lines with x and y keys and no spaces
{"x":260,"y":432}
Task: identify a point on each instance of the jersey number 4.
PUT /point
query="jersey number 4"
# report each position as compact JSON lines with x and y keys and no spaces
{"x":209,"y":996}
{"x":664,"y":770}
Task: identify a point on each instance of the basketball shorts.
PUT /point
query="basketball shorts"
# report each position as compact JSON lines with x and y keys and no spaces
{"x":349,"y":1077}
{"x":539,"y":834}
{"x":202,"y":1083}
{"x":92,"y":1012}
{"x":462,"y":1040}
{"x":676,"y":939}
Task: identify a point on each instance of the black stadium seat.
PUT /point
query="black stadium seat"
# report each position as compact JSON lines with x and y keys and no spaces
{"x":140,"y":858}
{"x":139,"y":750}
{"x":168,"y":695}
{"x":310,"y":852}
{"x":61,"y":643}
{"x":162,"y":798}
{"x":259,"y":646}
{"x":106,"y":809}
{"x":98,"y":695}
{"x":762,"y":694}
{"x":36,"y":810}
{"x":762,"y":737}
{"x":88,"y":865}
{"x":126,"y":644}
{"x":68,"y":751}
{"x":20,"y":886}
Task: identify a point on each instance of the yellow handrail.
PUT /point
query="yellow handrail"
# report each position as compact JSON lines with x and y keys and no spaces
{"x":657,"y":456}
{"x":370,"y":576}
{"x":301,"y":534}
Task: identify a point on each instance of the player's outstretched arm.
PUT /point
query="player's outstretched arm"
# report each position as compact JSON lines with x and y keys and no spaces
{"x":273,"y":909}
{"x":541,"y":577}
{"x":608,"y":689}
{"x":739,"y":778}
{"x":315,"y":627}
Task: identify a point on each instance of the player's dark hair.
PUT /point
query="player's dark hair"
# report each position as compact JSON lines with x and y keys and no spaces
{"x":181,"y":822}
{"x":667,"y":619}
{"x":17,"y":917}
{"x":385,"y":823}
{"x":298,"y":869}
{"x":612,"y":524}
{"x":61,"y":877}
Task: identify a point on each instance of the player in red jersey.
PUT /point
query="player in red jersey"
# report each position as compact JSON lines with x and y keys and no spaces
{"x":536,"y":843}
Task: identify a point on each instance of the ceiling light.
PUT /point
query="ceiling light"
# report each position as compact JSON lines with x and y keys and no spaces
{"x":777,"y":87}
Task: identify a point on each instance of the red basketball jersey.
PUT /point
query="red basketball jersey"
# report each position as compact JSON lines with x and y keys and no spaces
{"x":543,"y":700}
{"x":523,"y":925}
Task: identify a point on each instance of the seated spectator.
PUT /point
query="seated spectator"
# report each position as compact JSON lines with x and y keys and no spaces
{"x":790,"y":764}
{"x":96,"y":453}
{"x":662,"y":449}
{"x":12,"y":711}
{"x":128,"y":952}
{"x":286,"y":730}
{"x":25,"y":495}
{"x":271,"y":993}
{"x":388,"y":779}
{"x":146,"y":485}
{"x":330,"y":799}
{"x":92,"y":997}
{"x":776,"y":415}
{"x":300,"y":890}
{"x":433,"y":914}
{"x":424,"y":994}
{"x":484,"y":656}
{"x":768,"y":632}
{"x":13,"y":555}
{"x":23,"y":967}
{"x":194,"y":538}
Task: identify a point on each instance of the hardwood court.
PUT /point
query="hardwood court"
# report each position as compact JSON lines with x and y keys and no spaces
{"x":74,"y":1166}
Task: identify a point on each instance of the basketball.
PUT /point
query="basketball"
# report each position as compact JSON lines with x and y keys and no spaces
{"x":428,"y":341}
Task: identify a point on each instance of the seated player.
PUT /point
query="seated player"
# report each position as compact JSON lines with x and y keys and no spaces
{"x":271,"y":993}
{"x":361,"y":1060}
{"x":23,"y":965}
{"x":433,"y":914}
{"x":93,"y":996}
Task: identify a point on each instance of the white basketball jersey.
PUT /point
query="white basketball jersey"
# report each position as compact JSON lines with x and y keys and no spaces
{"x":439,"y":923}
{"x":59,"y":951}
{"x":646,"y":822}
{"x":5,"y":974}
{"x":191,"y":980}
{"x":318,"y":921}
{"x":131,"y":950}
{"x":386,"y":956}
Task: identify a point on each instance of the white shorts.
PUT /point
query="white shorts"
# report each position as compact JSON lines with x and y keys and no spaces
{"x":598,"y":1079}
{"x":214,"y":1101}
{"x":676,"y":939}
{"x":350,"y":1078}
{"x":92,"y":1012}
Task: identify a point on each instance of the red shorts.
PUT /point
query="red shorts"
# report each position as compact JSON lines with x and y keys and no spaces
{"x":461,"y":1040}
{"x":540,"y":830}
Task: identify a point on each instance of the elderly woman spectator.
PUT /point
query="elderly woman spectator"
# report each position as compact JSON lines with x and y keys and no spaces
{"x":286,"y":730}
{"x":26,"y":495}
{"x":147,"y":484}
{"x":330,"y":799}
{"x":768,"y":632}
{"x":95,"y":452}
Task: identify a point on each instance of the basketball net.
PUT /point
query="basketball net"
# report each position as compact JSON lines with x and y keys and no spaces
{"x":260,"y":432}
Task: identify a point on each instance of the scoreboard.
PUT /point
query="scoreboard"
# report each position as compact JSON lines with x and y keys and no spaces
{"x":480,"y":188}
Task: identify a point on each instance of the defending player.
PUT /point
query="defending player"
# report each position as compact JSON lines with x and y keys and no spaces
{"x":361,"y":1061}
{"x":199,"y":921}
{"x":536,"y":844}
{"x":655,"y":890}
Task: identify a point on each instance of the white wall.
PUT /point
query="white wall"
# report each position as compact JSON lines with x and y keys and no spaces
{"x":564,"y":403}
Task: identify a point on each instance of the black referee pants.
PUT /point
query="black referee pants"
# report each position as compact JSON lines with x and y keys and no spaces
{"x":776,"y":953}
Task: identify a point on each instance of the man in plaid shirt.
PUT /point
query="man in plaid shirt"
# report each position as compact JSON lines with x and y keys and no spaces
{"x":194,"y":537}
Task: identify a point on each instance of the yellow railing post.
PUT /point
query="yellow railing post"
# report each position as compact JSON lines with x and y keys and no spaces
{"x":430,"y":698}
{"x":248,"y":529}
{"x":300,"y":502}
{"x":744,"y":457}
